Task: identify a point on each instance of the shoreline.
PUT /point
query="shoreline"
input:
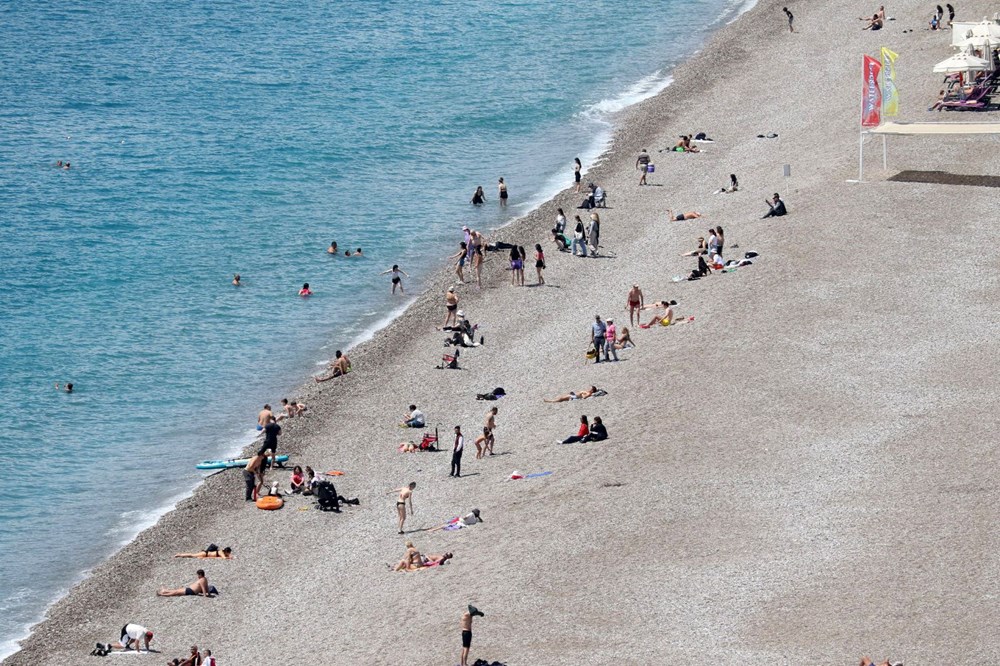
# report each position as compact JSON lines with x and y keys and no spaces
{"x":639,"y":92}
{"x":374,"y":354}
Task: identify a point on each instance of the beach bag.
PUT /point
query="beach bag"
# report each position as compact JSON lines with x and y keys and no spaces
{"x":650,"y":168}
{"x":326,"y":496}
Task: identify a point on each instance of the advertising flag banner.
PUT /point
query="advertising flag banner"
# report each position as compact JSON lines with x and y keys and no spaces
{"x":871,"y":100}
{"x":890,"y":95}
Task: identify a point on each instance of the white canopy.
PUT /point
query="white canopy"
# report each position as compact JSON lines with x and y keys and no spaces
{"x":961,"y":62}
{"x":911,"y":129}
{"x":962,"y":30}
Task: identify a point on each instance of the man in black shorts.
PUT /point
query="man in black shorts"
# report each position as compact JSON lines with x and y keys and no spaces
{"x":271,"y":432}
{"x":467,"y":632}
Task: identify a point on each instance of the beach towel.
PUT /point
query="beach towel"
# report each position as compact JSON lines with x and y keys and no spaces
{"x":515,"y":475}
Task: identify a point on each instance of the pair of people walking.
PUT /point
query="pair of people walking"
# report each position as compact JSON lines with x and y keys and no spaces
{"x":604,"y":335}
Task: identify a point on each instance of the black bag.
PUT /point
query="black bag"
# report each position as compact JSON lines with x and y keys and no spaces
{"x":326,"y":496}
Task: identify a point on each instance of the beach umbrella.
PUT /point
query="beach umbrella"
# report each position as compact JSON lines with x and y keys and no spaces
{"x":983,"y":42}
{"x":961,"y":62}
{"x":961,"y":31}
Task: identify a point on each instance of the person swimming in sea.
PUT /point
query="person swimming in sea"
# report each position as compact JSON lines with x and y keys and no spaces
{"x":479,"y":198}
{"x":68,"y":388}
{"x":305,"y":290}
{"x":357,"y":253}
{"x":236,"y":280}
{"x":333,"y":249}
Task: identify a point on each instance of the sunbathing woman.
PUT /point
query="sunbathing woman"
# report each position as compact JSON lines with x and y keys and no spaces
{"x":664,"y":320}
{"x":572,"y":395}
{"x":702,"y":248}
{"x":224,"y":554}
{"x":680,"y":217}
{"x":624,"y":341}
{"x":411,"y":560}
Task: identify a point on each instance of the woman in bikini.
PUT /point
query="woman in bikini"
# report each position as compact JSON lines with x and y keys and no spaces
{"x":573,"y":395}
{"x":397,"y":281}
{"x":634,"y":304}
{"x":450,"y":306}
{"x":665,"y":319}
{"x":624,"y":340}
{"x":502,"y":189}
{"x":577,"y":168}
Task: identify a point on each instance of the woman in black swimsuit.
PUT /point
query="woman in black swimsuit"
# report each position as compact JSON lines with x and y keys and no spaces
{"x":502,"y":187}
{"x":396,"y":280}
{"x":479,"y":198}
{"x":577,"y":168}
{"x":539,"y":262}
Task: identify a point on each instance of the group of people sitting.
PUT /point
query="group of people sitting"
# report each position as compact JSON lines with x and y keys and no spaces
{"x":587,"y":432}
{"x":462,"y":333}
{"x":290,"y":409}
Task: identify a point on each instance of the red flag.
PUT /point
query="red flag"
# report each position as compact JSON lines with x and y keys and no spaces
{"x":871,"y":98}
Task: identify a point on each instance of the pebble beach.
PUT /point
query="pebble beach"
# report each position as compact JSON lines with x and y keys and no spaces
{"x":802,"y":474}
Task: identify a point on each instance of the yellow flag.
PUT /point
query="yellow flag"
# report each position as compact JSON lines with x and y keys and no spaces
{"x":890,"y":95}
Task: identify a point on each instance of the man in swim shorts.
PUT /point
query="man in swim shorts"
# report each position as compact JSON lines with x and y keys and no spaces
{"x":466,"y":626}
{"x":341,"y":366}
{"x":634,"y":303}
{"x":253,"y":475}
{"x":263,"y":417}
{"x":199,"y":587}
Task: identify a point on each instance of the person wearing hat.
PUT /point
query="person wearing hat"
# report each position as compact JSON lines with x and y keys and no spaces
{"x":466,"y":626}
{"x":610,"y":334}
{"x":598,"y":331}
{"x":451,"y":306}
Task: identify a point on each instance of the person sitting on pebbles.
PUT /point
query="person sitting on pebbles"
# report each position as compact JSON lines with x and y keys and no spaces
{"x":199,"y":588}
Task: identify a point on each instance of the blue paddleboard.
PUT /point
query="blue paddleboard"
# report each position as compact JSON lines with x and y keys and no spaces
{"x":233,"y":462}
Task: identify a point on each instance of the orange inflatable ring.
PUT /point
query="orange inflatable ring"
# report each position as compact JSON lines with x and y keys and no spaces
{"x":270,"y":503}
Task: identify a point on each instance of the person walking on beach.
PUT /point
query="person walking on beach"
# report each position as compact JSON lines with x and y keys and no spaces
{"x":461,"y":256}
{"x":539,"y":263}
{"x":516,"y":266}
{"x":594,"y":232}
{"x":598,"y":330}
{"x":477,"y":263}
{"x":502,"y":188}
{"x":405,"y":495}
{"x":491,"y":424}
{"x":790,"y":19}
{"x":481,"y":443}
{"x":271,"y":432}
{"x":579,"y":238}
{"x":451,"y":307}
{"x":456,"y":453}
{"x":466,"y":627}
{"x":577,"y":169}
{"x":396,"y":280}
{"x":634,"y":304}
{"x":642,"y":163}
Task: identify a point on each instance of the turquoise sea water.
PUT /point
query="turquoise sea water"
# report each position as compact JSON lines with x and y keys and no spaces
{"x":213,"y":138}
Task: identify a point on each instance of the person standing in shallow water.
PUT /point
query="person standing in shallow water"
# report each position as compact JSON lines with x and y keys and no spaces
{"x":396,"y":280}
{"x":577,"y":169}
{"x":479,"y":198}
{"x":502,"y":189}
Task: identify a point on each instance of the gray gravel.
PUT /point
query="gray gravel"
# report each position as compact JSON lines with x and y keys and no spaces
{"x":802,"y":475}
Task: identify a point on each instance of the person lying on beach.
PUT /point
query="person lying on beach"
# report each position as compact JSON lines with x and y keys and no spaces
{"x":212,"y":552}
{"x":414,"y":560}
{"x":734,"y":186}
{"x":340,"y":366}
{"x":624,"y":340}
{"x":573,"y":395}
{"x":469,"y":519}
{"x":680,"y":217}
{"x":666,"y":318}
{"x":866,"y":661}
{"x":776,"y":205}
{"x":199,"y":588}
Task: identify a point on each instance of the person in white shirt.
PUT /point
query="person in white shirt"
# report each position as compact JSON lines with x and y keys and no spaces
{"x":416,"y":419}
{"x":132,"y":635}
{"x":456,"y":453}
